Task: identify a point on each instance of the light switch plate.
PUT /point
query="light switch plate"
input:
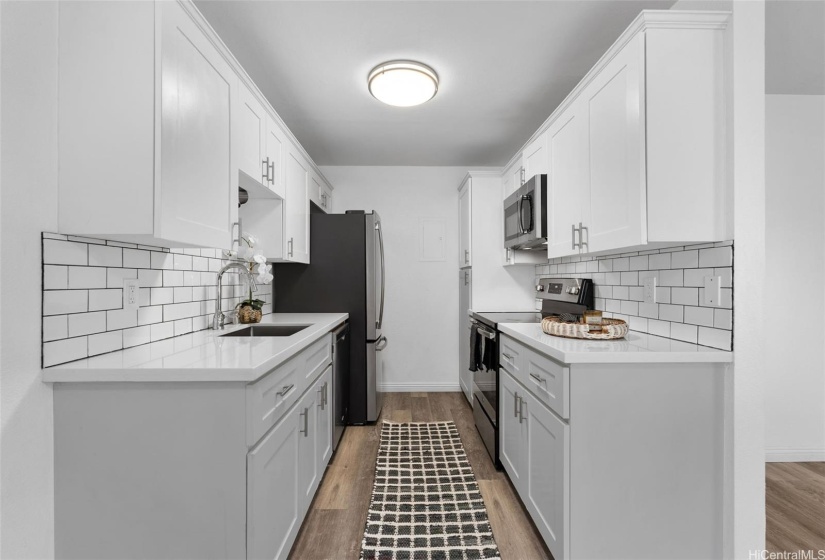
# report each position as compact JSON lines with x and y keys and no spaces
{"x":650,"y":290}
{"x":713,"y":290}
{"x":131,"y":293}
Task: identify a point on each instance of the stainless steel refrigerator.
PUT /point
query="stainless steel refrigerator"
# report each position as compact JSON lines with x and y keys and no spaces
{"x":345,"y":274}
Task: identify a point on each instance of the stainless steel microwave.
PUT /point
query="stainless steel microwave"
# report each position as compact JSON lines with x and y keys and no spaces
{"x":525,"y":215}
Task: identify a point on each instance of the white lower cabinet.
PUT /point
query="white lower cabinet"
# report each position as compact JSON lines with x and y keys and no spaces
{"x":636,"y":472}
{"x":192,"y":469}
{"x":273,"y":514}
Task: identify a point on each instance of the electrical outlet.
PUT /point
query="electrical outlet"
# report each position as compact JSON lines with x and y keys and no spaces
{"x":713,"y":290}
{"x":650,"y":290}
{"x":131,"y":291}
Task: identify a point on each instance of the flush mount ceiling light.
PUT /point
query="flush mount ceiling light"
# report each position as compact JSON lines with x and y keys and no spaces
{"x":403,"y":83}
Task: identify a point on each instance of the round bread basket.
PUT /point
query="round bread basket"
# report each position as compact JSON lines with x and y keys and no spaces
{"x":610,"y":329}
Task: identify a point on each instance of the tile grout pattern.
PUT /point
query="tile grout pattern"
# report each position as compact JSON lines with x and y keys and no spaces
{"x":679,"y":312}
{"x":82,"y":280}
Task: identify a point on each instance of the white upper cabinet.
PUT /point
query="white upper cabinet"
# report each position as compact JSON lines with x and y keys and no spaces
{"x":614,"y":193}
{"x":512,"y":178}
{"x":145,"y":129}
{"x":296,"y":209}
{"x":251,"y":140}
{"x":637,"y":152}
{"x":274,"y":154}
{"x":535,"y":158}
{"x":464,"y":224}
{"x":566,"y":148}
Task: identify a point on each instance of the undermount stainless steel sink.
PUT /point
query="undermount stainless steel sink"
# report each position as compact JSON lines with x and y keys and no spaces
{"x":268,"y":330}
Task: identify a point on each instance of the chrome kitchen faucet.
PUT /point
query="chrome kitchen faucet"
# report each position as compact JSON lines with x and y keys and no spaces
{"x":219,"y":318}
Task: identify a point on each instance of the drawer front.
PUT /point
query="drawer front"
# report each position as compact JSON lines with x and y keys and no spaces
{"x":510,"y":355}
{"x":268,"y":399}
{"x":316,"y":359}
{"x":547,"y":380}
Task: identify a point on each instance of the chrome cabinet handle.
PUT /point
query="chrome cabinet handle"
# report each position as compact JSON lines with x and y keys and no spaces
{"x":537,"y":378}
{"x":466,"y":256}
{"x":522,"y":404}
{"x":582,"y":242}
{"x":515,"y":406}
{"x":573,"y":230}
{"x":508,"y":356}
{"x":305,"y":414}
{"x":289,"y":245}
{"x":466,"y":278}
{"x":286,"y":389}
{"x":272,"y":170}
{"x":326,"y":393}
{"x":521,"y":175}
{"x":321,"y":397}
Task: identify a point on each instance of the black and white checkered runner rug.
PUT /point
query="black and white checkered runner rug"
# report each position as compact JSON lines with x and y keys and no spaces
{"x":426,"y":503}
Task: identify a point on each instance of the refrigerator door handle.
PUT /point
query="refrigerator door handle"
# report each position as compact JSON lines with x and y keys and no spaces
{"x":378,"y":343}
{"x":380,"y":320}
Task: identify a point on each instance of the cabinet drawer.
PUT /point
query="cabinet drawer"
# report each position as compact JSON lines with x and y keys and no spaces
{"x":269,"y":398}
{"x":510,"y":355}
{"x":547,"y":380}
{"x":316,"y":358}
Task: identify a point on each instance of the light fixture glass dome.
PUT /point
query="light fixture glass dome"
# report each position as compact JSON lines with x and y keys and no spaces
{"x":403,"y":83}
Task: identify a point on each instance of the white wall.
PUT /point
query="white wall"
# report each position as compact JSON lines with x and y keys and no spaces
{"x":28,"y":124}
{"x":795,"y":247}
{"x":421,"y":322}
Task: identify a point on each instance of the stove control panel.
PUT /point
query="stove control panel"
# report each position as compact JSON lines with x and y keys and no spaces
{"x":568,"y":290}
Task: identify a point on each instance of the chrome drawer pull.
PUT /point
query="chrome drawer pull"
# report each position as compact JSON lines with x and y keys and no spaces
{"x":305,"y":414}
{"x":521,"y":410}
{"x":537,"y":378}
{"x":285,"y":390}
{"x":515,"y":405}
{"x":508,"y":356}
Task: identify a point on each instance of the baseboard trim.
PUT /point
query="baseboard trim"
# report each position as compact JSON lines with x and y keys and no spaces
{"x":421,"y":387}
{"x":794,"y":455}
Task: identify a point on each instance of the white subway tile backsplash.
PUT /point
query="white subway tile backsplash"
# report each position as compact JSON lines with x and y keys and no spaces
{"x":160,"y":296}
{"x":103,"y":255}
{"x":183,"y":326}
{"x":55,"y":327}
{"x":136,"y":336}
{"x":101,"y":300}
{"x":60,"y":302}
{"x":681,"y":331}
{"x":716,"y":257}
{"x":679,"y":311}
{"x":135,"y":258}
{"x":684,"y":296}
{"x":668,"y":312}
{"x":121,"y":319}
{"x":162,"y":261}
{"x":716,"y":338}
{"x":66,"y":350}
{"x":105,"y":342}
{"x":182,"y":262}
{"x":65,"y":252}
{"x":699,"y":316}
{"x":55,"y":277}
{"x":160,"y":331}
{"x":182,"y":295}
{"x":149,"y":315}
{"x":150,"y":278}
{"x":172,"y":278}
{"x":85,"y":277}
{"x":116,"y":276}
{"x":685,"y":259}
{"x":87,"y":323}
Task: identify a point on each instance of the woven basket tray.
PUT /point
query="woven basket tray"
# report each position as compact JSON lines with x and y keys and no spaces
{"x":611,"y":328}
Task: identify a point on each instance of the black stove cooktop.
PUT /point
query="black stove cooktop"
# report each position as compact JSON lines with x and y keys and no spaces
{"x":493,"y":318}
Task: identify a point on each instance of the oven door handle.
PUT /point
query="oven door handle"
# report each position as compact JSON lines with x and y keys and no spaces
{"x":486,"y":333}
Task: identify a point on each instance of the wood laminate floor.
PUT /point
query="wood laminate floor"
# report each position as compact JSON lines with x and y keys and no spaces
{"x":795,"y":506}
{"x":334,"y":526}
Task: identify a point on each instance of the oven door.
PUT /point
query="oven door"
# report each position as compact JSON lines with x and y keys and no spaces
{"x":485,"y":382}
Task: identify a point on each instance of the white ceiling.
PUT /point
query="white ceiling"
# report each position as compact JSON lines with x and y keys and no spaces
{"x":503,"y":65}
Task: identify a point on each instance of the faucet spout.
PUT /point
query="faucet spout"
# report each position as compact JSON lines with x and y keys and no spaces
{"x":218,"y":319}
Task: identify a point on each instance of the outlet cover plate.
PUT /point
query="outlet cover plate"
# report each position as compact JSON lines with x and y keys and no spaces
{"x":713,"y":290}
{"x":131,"y":293}
{"x":650,"y":290}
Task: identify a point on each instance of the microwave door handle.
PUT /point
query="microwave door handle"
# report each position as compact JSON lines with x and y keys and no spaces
{"x":380,"y":320}
{"x":520,"y":225}
{"x":529,"y":199}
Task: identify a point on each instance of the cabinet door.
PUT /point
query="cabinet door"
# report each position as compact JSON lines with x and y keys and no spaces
{"x":326,"y":197}
{"x":324,"y":410}
{"x":512,"y":178}
{"x":464,"y":225}
{"x":535,"y":157}
{"x":275,"y":146}
{"x":307,"y":426}
{"x":547,"y":441}
{"x":511,"y":444}
{"x":251,"y":122}
{"x":296,"y":209}
{"x":465,"y":376}
{"x":567,"y":159}
{"x":272,"y":501}
{"x":196,"y":193}
{"x":315,"y":189}
{"x":615,"y":211}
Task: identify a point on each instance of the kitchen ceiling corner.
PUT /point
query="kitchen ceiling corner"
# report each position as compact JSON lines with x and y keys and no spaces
{"x":503,"y":67}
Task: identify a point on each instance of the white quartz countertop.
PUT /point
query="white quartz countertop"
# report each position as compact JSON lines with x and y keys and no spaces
{"x":201,"y":356}
{"x":634,"y":348}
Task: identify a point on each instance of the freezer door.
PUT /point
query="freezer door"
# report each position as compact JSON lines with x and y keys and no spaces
{"x":375,"y":378}
{"x":376,"y":283}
